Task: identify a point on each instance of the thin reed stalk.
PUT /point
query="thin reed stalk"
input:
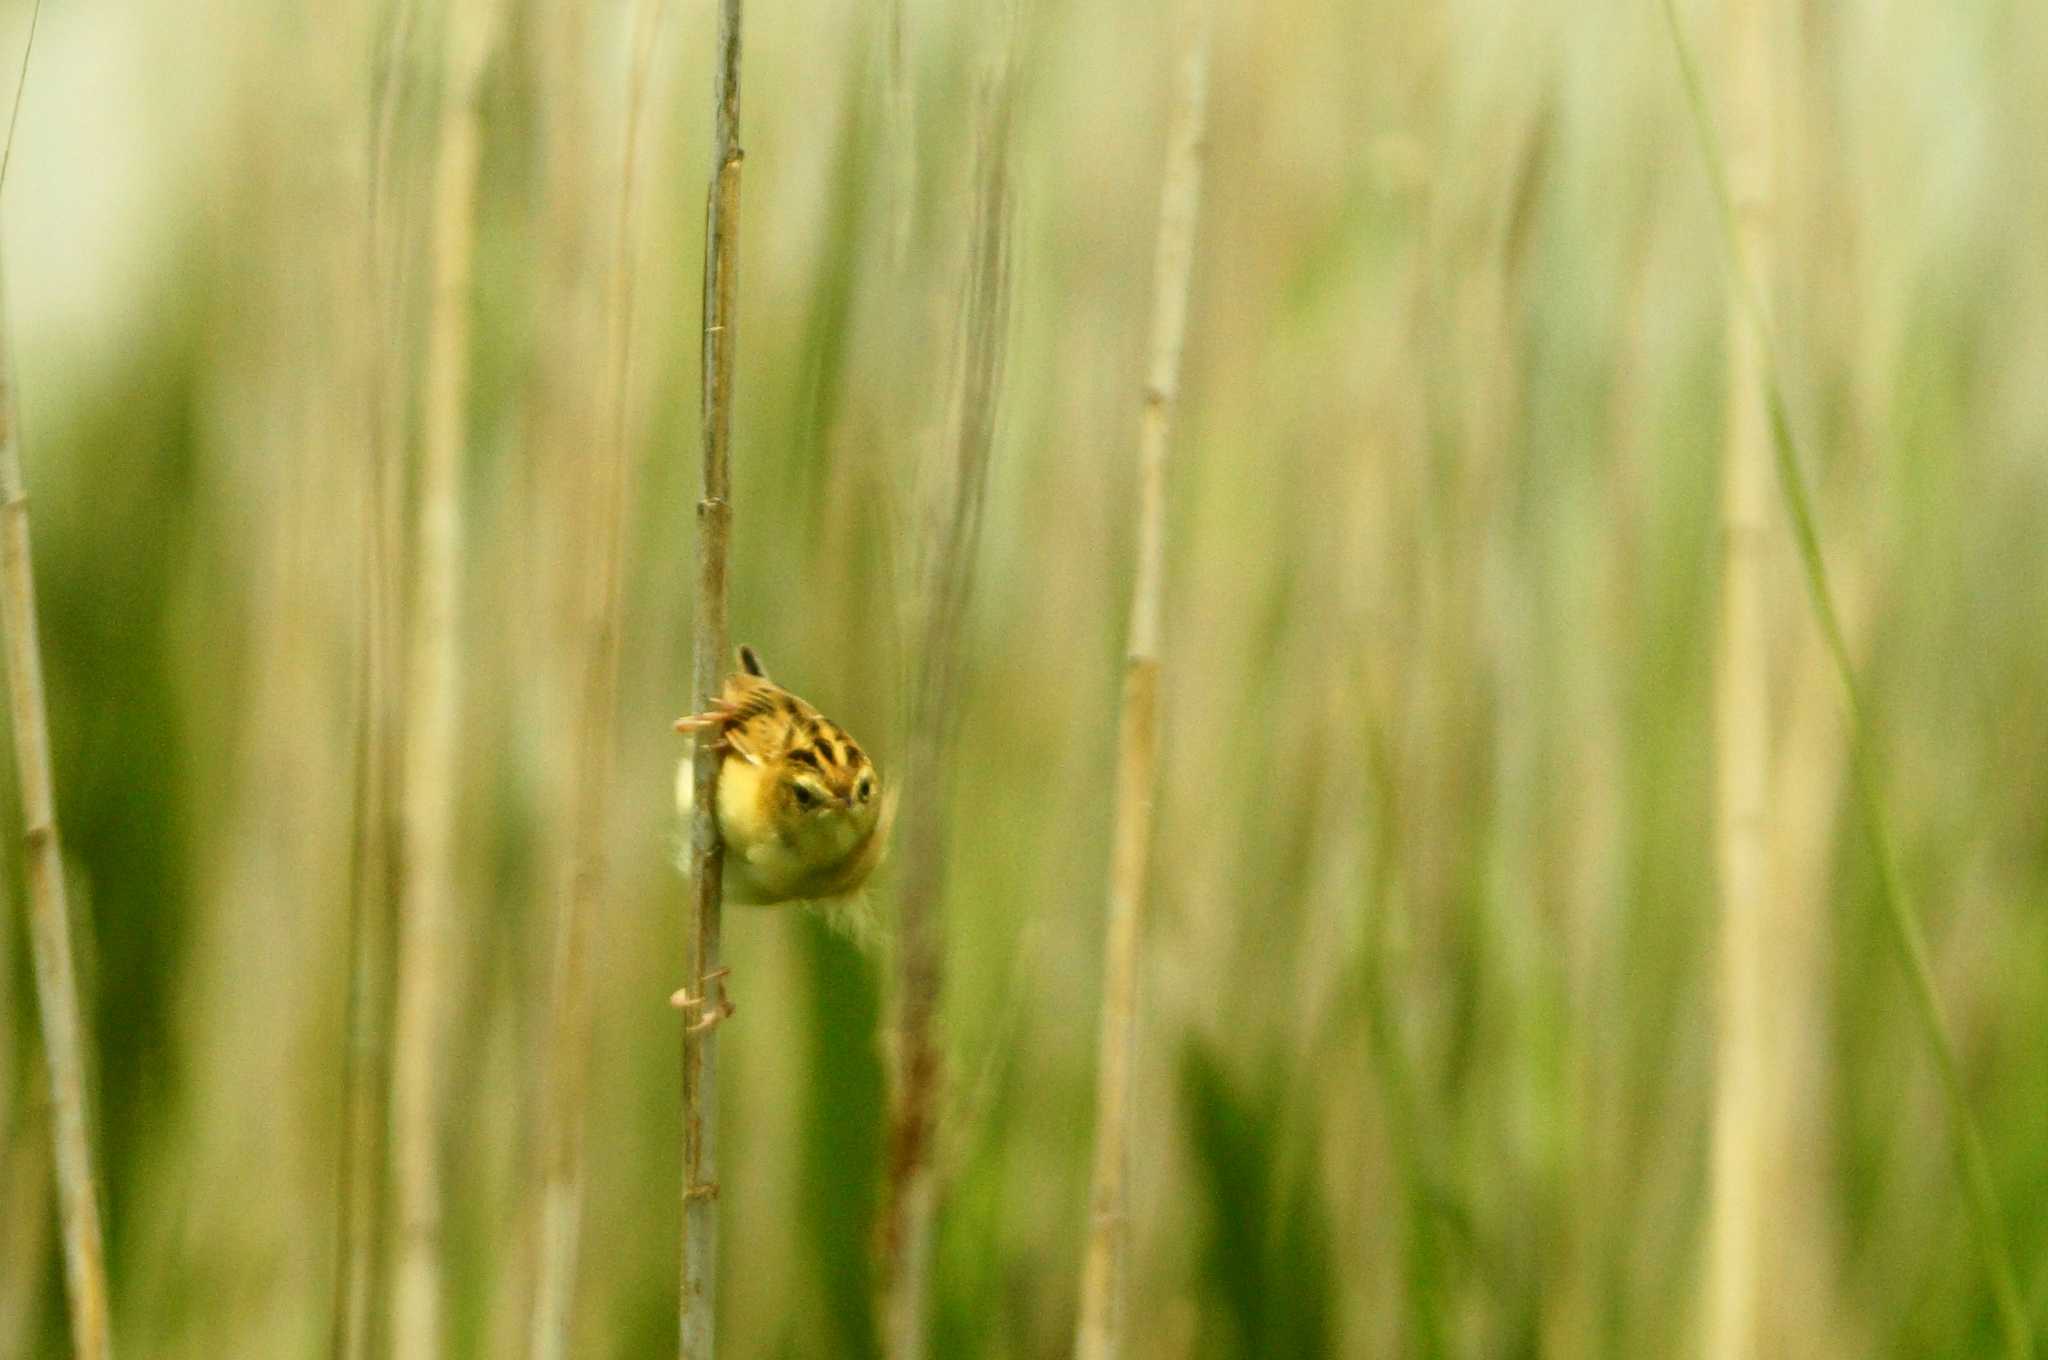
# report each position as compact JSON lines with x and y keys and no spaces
{"x":85,"y":1271}
{"x":430,"y":785}
{"x":603,"y":516}
{"x":912,"y":1194}
{"x":1105,"y":1270}
{"x":561,"y":421}
{"x":1803,"y":1309}
{"x":373,"y":856}
{"x":49,"y":908}
{"x":379,"y":703}
{"x":1972,"y":1166}
{"x":1743,"y":1130}
{"x":697,"y":1312}
{"x":50,"y":914}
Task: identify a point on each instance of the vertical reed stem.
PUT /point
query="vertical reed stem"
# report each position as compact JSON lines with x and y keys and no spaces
{"x":85,"y":1271}
{"x":1744,"y":1129}
{"x":378,"y":762}
{"x":697,"y":1314}
{"x":365,"y":1063}
{"x":911,"y":1205}
{"x":430,"y":786}
{"x":593,"y":762}
{"x":1105,"y":1266}
{"x":563,"y":422}
{"x":1973,"y":1169}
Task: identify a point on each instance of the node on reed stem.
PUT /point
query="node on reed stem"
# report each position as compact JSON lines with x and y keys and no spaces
{"x":85,"y":1271}
{"x":1743,"y":1126}
{"x":696,"y":1320}
{"x":1106,"y":1262}
{"x":78,"y":1197}
{"x":1973,"y":1169}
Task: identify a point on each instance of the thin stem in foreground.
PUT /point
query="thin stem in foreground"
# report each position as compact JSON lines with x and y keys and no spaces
{"x":1972,"y":1166}
{"x":698,"y":1306}
{"x":1106,"y":1264}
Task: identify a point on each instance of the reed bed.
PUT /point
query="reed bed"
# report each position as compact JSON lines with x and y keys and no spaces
{"x":1442,"y":1048}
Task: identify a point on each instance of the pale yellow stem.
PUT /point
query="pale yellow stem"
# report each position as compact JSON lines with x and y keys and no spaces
{"x":430,"y":786}
{"x":697,"y":1313}
{"x":1105,"y":1267}
{"x":49,"y":920}
{"x":1746,"y":1125}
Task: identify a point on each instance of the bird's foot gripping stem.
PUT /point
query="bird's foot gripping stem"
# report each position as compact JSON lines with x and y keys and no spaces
{"x":710,"y":1011}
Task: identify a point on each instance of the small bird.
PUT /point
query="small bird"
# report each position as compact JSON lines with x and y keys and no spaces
{"x":800,"y":806}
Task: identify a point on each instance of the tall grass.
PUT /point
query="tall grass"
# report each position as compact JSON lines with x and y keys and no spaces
{"x":945,"y":587}
{"x":1100,"y":1331}
{"x":1430,"y":989}
{"x":377,"y":836}
{"x":85,"y":1273}
{"x":1746,"y":1138}
{"x":49,"y":906}
{"x":1972,"y":1166}
{"x":698,"y":1316}
{"x":431,"y":783}
{"x":600,"y":510}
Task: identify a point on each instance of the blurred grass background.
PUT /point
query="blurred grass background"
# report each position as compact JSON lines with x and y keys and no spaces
{"x":1430,"y":1007}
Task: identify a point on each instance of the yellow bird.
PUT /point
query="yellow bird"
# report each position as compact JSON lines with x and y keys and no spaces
{"x":800,"y":805}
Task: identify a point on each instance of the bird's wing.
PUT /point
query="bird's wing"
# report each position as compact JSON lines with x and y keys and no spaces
{"x":764,"y":718}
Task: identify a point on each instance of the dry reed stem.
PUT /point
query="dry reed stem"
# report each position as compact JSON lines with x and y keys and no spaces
{"x":561,"y":423}
{"x":376,"y":838}
{"x":1743,"y":1129}
{"x":430,"y":785}
{"x":697,"y":1310}
{"x":1973,"y":1169}
{"x":85,"y":1271}
{"x":594,"y":761}
{"x":1105,"y":1267}
{"x":49,"y":911}
{"x":1805,"y":1315}
{"x":912,"y":1193}
{"x":372,"y":864}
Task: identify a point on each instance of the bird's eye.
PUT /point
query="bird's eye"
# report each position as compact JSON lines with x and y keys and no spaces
{"x":804,"y":797}
{"x":864,"y":788}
